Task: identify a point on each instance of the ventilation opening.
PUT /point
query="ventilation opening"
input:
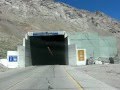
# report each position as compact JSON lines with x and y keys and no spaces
{"x":49,"y":50}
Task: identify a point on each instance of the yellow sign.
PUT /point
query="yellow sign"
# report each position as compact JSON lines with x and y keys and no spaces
{"x":81,"y":55}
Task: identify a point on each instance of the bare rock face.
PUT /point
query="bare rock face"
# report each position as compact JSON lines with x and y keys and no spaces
{"x":17,"y":17}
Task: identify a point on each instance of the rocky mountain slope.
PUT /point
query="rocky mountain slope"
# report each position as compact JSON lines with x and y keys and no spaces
{"x":17,"y":17}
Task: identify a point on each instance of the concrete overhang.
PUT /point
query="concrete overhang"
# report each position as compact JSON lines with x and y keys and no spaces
{"x":46,"y":33}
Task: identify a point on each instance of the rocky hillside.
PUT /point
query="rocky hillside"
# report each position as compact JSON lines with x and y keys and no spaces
{"x":17,"y":17}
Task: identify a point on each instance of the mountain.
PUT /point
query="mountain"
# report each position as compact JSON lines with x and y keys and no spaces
{"x":17,"y":17}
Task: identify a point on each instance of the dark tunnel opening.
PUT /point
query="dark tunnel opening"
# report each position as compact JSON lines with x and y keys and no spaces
{"x":49,"y":50}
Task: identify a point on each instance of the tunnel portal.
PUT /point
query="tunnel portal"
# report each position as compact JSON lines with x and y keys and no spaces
{"x":49,"y":49}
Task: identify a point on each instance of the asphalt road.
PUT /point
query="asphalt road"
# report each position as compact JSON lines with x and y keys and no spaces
{"x":38,"y":78}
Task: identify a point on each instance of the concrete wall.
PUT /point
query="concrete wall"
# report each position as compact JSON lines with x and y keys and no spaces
{"x":96,"y":46}
{"x":24,"y":54}
{"x":28,"y":60}
{"x":72,"y":54}
{"x":21,"y":56}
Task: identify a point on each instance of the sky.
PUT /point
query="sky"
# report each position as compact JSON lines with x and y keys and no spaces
{"x":109,"y":7}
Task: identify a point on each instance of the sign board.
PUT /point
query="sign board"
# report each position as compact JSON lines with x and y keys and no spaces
{"x":45,"y":34}
{"x":81,"y":55}
{"x":12,"y":58}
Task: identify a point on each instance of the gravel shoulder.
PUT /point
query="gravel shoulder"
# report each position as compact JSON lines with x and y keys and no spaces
{"x":109,"y":74}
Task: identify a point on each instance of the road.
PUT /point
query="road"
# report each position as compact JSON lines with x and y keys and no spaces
{"x":38,"y":78}
{"x":51,"y":77}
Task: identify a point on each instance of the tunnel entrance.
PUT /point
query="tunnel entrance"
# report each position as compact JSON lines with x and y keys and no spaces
{"x":49,"y":50}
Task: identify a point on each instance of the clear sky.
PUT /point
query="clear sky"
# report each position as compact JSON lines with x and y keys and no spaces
{"x":109,"y":7}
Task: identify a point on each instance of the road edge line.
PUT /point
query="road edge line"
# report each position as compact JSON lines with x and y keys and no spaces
{"x":71,"y":77}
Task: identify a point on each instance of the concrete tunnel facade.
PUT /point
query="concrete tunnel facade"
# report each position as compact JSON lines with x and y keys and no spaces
{"x":45,"y":48}
{"x":61,"y":48}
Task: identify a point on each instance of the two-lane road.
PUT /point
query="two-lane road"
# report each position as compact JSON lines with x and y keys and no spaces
{"x":52,"y":77}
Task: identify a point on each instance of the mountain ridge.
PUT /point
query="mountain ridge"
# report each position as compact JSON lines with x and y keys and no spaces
{"x":17,"y":17}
